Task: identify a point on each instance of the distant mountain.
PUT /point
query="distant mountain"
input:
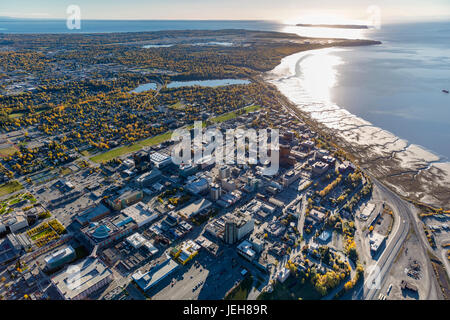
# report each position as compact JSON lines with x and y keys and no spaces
{"x":340,"y":26}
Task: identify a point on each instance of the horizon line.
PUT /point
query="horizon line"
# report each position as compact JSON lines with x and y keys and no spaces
{"x":417,"y":19}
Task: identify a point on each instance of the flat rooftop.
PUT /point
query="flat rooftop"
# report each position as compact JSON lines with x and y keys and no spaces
{"x":147,"y":280}
{"x":91,"y":273}
{"x":60,"y":254}
{"x":194,"y":208}
{"x":140,"y":213}
{"x":92,"y":214}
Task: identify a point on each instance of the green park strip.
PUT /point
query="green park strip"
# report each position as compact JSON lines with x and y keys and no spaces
{"x":233,"y":114}
{"x":117,"y":152}
{"x":10,"y":187}
{"x":16,"y":115}
{"x":5,"y":152}
{"x":114,"y":153}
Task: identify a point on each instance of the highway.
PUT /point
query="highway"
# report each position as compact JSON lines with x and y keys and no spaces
{"x":405,"y":220}
{"x":402,"y":212}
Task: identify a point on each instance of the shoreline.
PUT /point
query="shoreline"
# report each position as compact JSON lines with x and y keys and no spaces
{"x":411,"y":170}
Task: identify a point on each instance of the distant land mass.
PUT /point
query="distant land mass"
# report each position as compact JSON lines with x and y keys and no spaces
{"x":340,"y":26}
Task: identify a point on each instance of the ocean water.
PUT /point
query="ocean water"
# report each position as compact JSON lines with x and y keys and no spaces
{"x":384,"y":101}
{"x":396,"y":86}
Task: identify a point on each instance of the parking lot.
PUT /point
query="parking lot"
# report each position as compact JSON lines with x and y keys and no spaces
{"x":68,"y":209}
{"x":205,"y":278}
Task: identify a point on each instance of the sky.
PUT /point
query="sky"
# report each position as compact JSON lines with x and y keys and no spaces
{"x":311,"y":11}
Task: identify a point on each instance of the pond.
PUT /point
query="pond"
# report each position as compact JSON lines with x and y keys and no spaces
{"x":211,"y":43}
{"x":145,"y":87}
{"x":214,"y":43}
{"x":157,"y":46}
{"x":207,"y":83}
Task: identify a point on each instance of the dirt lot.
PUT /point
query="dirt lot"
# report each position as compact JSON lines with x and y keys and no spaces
{"x":337,"y":242}
{"x":409,"y":265}
{"x":384,"y":223}
{"x":441,"y":232}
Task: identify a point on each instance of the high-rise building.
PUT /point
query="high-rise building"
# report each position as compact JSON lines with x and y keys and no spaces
{"x":286,"y":160}
{"x":224,"y":172}
{"x":216,"y":191}
{"x":237,"y":228}
{"x":230,"y":234}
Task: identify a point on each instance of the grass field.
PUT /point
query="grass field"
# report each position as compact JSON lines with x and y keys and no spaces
{"x":10,"y":187}
{"x":16,"y":115}
{"x":242,"y":290}
{"x":4,"y":152}
{"x":109,"y":155}
{"x":43,"y":233}
{"x":25,"y":112}
{"x":117,"y":152}
{"x":65,"y":171}
{"x":291,"y":289}
{"x":233,"y":114}
{"x":177,"y":106}
{"x":46,"y":232}
{"x":5,"y":205}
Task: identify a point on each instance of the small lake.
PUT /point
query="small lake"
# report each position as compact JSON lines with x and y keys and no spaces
{"x":145,"y":87}
{"x":211,"y":43}
{"x":157,"y":46}
{"x":207,"y":83}
{"x":214,"y":43}
{"x":201,"y":83}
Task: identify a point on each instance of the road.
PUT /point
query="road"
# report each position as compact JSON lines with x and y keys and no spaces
{"x":405,"y":220}
{"x":403,"y":214}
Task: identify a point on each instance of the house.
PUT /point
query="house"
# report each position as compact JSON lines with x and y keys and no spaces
{"x":325,"y":236}
{"x":92,"y":214}
{"x":160,"y":160}
{"x":14,"y":222}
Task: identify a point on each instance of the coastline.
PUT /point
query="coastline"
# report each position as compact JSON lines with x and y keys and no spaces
{"x":411,"y":170}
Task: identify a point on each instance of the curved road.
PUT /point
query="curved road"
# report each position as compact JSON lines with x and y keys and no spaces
{"x":406,"y":219}
{"x":403,"y":212}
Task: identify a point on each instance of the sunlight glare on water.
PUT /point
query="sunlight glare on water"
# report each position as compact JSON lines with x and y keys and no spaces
{"x":319,"y":75}
{"x":330,"y":33}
